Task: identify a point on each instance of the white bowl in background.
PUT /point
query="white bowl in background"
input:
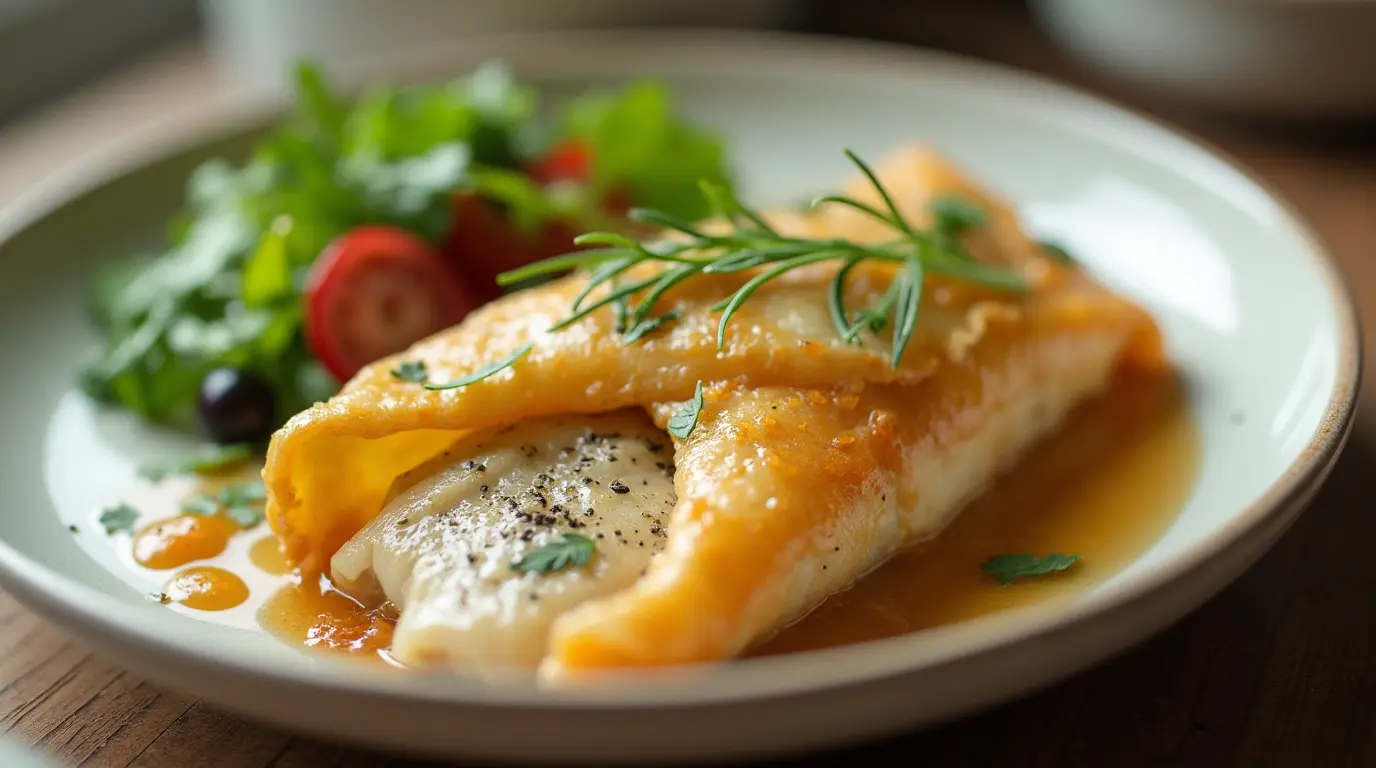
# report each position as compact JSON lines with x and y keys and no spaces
{"x":1271,"y":58}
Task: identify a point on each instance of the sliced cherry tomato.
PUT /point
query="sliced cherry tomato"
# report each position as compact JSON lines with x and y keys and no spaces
{"x":482,"y":244}
{"x":375,"y":291}
{"x":568,"y":160}
{"x":617,"y":201}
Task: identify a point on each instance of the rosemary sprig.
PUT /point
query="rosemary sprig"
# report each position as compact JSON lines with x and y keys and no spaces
{"x":751,"y":243}
{"x":485,"y":371}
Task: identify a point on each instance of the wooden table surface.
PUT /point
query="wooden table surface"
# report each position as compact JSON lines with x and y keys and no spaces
{"x":1280,"y":669}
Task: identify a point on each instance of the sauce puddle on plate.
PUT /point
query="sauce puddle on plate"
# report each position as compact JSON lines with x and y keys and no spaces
{"x":1105,"y":487}
{"x":310,"y":612}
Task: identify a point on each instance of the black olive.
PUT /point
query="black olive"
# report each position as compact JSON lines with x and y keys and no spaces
{"x":235,"y":406}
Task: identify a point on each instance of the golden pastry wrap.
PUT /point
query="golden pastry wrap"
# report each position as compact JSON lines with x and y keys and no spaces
{"x":813,"y":459}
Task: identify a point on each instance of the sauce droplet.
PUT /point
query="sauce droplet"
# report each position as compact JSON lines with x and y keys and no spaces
{"x":266,"y":553}
{"x":314,"y":614}
{"x":206,"y":588}
{"x":181,"y":540}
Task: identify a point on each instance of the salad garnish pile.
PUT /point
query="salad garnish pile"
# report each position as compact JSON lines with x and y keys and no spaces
{"x":359,"y":227}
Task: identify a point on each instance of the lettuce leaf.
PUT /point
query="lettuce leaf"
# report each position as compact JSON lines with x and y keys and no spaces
{"x":226,"y":290}
{"x":640,"y":144}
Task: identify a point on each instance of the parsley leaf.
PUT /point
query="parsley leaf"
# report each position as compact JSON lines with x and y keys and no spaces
{"x":245,"y":516}
{"x":570,"y":550}
{"x":201,"y":505}
{"x":243,"y":502}
{"x":120,"y":517}
{"x":413,"y":371}
{"x":1009,"y":568}
{"x":203,"y":462}
{"x":239,"y":494}
{"x":955,"y":214}
{"x":486,"y":370}
{"x":685,"y":420}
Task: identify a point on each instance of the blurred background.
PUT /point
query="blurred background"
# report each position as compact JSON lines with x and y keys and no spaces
{"x":1311,"y":59}
{"x":74,"y":73}
{"x":110,"y":66}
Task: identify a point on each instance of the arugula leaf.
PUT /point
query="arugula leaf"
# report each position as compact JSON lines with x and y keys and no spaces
{"x":203,"y":462}
{"x":413,"y":371}
{"x":569,"y":550}
{"x":120,"y":517}
{"x":1010,"y":568}
{"x":685,"y":420}
{"x":640,"y":144}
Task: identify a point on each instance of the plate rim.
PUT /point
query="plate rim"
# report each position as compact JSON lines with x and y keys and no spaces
{"x":70,"y":604}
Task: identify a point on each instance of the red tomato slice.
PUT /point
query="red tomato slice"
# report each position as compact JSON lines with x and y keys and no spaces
{"x":568,"y":160}
{"x":375,"y":291}
{"x":482,"y":244}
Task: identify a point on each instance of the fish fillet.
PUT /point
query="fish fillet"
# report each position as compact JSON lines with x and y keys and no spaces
{"x":812,"y":462}
{"x":441,"y":551}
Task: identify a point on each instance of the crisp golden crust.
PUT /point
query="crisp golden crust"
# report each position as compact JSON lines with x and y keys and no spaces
{"x":330,"y":468}
{"x":789,"y":495}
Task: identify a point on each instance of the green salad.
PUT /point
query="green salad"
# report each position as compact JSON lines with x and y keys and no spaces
{"x":358,"y":227}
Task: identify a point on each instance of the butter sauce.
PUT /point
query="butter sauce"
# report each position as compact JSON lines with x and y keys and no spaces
{"x":1106,"y":486}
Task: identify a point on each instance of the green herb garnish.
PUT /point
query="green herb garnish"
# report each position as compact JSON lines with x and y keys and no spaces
{"x":120,"y":517}
{"x":954,"y":214}
{"x":246,"y":517}
{"x":203,"y":462}
{"x":485,"y":371}
{"x":685,"y":419}
{"x":1009,"y":568}
{"x":411,"y":370}
{"x":225,"y":290}
{"x":648,"y":326}
{"x":753,"y":244}
{"x":570,"y":550}
{"x":643,"y":148}
{"x":1057,"y":252}
{"x":247,"y":492}
{"x":201,"y":505}
{"x":242,"y":502}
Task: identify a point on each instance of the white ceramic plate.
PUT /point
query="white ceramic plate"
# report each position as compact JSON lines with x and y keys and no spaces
{"x":1252,"y":309}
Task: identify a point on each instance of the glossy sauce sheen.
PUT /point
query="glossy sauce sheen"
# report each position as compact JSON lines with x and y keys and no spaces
{"x":1106,"y":486}
{"x":183,"y":539}
{"x":310,"y":612}
{"x":206,"y":588}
